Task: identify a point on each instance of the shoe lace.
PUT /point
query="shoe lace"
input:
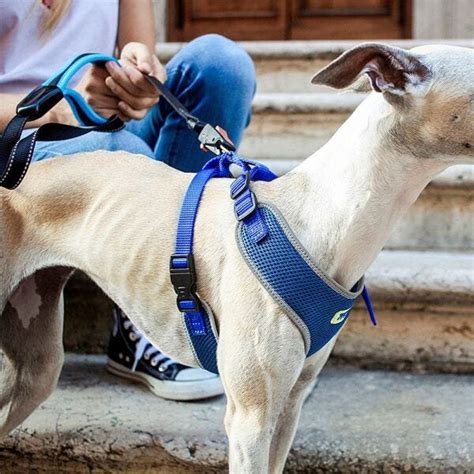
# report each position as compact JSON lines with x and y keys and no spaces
{"x":144,"y":348}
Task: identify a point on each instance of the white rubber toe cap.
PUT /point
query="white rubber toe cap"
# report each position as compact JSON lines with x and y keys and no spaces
{"x":195,"y":375}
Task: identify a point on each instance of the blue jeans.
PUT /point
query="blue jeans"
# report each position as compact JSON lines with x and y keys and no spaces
{"x":213,"y":77}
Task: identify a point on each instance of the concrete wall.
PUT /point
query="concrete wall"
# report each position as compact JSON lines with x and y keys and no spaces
{"x":443,"y":19}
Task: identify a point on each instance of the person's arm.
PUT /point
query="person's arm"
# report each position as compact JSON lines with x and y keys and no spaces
{"x":136,"y":46}
{"x":126,"y":93}
{"x":136,"y":24}
{"x":60,"y":113}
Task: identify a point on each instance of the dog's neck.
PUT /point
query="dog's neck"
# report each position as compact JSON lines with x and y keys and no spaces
{"x":349,"y":195}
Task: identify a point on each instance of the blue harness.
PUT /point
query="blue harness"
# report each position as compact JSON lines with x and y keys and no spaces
{"x":316,"y":304}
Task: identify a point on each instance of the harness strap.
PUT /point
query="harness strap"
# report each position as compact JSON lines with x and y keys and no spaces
{"x":197,"y":317}
{"x":183,"y":276}
{"x":254,"y":222}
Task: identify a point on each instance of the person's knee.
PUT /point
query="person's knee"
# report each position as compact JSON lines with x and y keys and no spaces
{"x":214,"y":44}
{"x":216,"y":56}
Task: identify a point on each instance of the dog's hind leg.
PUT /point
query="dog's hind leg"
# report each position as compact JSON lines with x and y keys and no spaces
{"x":259,"y":366}
{"x":289,"y":417}
{"x":31,"y":344}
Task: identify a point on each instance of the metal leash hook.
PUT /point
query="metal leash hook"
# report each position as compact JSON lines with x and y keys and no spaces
{"x":209,"y":136}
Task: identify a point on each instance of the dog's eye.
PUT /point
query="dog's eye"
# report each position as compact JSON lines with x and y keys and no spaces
{"x":467,"y":145}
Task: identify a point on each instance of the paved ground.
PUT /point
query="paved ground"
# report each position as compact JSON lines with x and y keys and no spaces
{"x":355,"y":421}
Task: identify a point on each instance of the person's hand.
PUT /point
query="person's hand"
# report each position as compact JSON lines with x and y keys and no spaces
{"x":96,"y":93}
{"x":128,"y":83}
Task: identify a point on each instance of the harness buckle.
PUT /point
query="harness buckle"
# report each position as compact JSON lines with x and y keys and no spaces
{"x":39,"y":101}
{"x":240,"y":184}
{"x":245,"y":204}
{"x":183,"y":279}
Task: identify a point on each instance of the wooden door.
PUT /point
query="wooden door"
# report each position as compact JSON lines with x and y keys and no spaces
{"x":350,"y":19}
{"x":290,"y":19}
{"x":236,"y":19}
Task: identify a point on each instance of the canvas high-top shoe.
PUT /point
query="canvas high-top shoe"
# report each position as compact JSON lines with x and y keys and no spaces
{"x":133,"y":357}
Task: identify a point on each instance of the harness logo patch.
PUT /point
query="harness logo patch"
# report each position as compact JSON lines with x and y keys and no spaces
{"x":340,"y":316}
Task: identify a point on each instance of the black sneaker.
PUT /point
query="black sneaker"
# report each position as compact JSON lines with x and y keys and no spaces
{"x":133,"y":357}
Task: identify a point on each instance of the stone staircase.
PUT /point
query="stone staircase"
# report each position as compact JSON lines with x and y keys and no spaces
{"x":390,"y":421}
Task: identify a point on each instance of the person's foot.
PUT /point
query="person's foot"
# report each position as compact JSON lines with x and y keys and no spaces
{"x":133,"y":357}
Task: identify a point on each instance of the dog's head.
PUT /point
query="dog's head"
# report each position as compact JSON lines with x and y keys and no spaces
{"x":430,"y":89}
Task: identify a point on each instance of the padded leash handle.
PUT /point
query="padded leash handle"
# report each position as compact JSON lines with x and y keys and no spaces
{"x":16,"y":153}
{"x":83,"y":112}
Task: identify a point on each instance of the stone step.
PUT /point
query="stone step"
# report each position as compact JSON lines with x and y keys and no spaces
{"x":293,"y":126}
{"x":355,"y":421}
{"x":286,"y":128}
{"x":287,"y":66}
{"x":424,"y":303}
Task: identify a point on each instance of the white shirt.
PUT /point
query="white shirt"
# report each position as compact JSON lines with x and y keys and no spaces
{"x":28,"y":58}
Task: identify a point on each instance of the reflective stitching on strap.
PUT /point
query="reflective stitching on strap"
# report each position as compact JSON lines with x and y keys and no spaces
{"x":10,"y":164}
{"x":188,"y":337}
{"x":26,"y":164}
{"x":30,"y":156}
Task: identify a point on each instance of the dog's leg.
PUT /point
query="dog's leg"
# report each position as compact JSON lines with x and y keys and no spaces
{"x":31,"y":342}
{"x":288,"y":419}
{"x":259,"y":364}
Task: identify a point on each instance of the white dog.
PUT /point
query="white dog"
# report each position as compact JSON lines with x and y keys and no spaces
{"x":114,"y":216}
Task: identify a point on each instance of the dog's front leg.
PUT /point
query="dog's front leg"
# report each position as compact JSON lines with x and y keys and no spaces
{"x":259,"y":364}
{"x":288,"y":419}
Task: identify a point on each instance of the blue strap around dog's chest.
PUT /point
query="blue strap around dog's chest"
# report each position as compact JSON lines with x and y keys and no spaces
{"x":316,"y":304}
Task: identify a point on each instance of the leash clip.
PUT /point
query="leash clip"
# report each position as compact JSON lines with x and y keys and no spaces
{"x":214,"y":141}
{"x":39,"y":101}
{"x":183,"y":279}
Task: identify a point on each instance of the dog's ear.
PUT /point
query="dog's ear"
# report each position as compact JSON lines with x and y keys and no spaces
{"x":389,"y":69}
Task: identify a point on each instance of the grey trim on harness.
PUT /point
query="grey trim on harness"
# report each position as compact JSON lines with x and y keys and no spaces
{"x":294,"y":317}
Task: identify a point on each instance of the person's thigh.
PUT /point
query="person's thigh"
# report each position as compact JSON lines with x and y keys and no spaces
{"x":215,"y":79}
{"x":93,"y":141}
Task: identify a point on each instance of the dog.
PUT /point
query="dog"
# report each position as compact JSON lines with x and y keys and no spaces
{"x":114,"y":216}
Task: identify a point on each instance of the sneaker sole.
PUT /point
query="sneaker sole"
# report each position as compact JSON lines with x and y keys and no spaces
{"x":179,"y":391}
